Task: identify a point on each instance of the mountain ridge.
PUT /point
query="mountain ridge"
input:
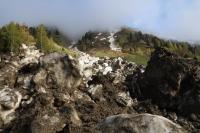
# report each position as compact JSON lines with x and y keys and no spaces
{"x":132,"y":45}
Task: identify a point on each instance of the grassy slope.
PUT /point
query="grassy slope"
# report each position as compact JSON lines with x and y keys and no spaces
{"x":54,"y":47}
{"x":137,"y":58}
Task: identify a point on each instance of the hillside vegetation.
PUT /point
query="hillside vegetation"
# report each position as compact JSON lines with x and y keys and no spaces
{"x":135,"y":45}
{"x":47,"y":40}
{"x":135,"y":41}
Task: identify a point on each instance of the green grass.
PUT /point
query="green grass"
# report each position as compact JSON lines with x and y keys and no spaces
{"x":137,"y":58}
{"x":54,"y":47}
{"x":108,"y":53}
{"x":64,"y":50}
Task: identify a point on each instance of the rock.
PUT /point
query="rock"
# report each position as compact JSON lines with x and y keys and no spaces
{"x":193,"y":117}
{"x":96,"y":91}
{"x":8,"y":75}
{"x":124,"y":99}
{"x":138,"y":123}
{"x":78,"y":95}
{"x":74,"y":117}
{"x":62,"y":71}
{"x":50,"y":123}
{"x":171,"y":82}
{"x":24,"y":81}
{"x":9,"y":102}
{"x":40,"y":78}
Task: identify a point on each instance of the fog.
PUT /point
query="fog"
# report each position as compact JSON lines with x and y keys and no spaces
{"x":174,"y":19}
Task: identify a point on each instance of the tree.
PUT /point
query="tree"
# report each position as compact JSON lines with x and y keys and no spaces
{"x":41,"y":37}
{"x":10,"y":38}
{"x":58,"y":37}
{"x":13,"y":35}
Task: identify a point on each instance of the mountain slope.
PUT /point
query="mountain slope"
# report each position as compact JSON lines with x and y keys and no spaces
{"x":132,"y":45}
{"x":127,"y":43}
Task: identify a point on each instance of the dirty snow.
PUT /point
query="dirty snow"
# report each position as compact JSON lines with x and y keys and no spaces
{"x":93,"y":89}
{"x":9,"y":101}
{"x":86,"y":63}
{"x":30,"y":54}
{"x":124,"y":98}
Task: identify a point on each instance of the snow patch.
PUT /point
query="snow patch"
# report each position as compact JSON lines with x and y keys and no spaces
{"x":86,"y":63}
{"x":102,"y":39}
{"x":31,"y":54}
{"x":112,"y":43}
{"x":73,"y":44}
{"x":100,"y":34}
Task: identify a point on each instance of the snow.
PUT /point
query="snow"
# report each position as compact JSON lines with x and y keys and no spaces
{"x":112,"y":43}
{"x":107,"y":70}
{"x":102,"y":39}
{"x":86,"y":63}
{"x":89,"y":66}
{"x":73,"y":44}
{"x":100,"y":34}
{"x":30,"y":54}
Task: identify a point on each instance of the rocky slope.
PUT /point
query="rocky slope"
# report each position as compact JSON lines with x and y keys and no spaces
{"x":55,"y":93}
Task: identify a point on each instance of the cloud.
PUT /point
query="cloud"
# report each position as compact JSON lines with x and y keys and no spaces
{"x":176,"y":19}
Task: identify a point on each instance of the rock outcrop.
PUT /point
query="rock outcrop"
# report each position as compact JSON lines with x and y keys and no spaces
{"x":172,"y":82}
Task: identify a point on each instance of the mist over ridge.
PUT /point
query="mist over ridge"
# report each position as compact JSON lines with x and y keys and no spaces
{"x":168,"y":19}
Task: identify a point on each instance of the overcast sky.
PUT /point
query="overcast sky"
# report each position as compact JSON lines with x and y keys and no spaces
{"x":175,"y":19}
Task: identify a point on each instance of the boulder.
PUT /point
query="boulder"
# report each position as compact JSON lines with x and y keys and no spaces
{"x":171,"y":82}
{"x":138,"y":123}
{"x":10,"y":100}
{"x":62,"y":71}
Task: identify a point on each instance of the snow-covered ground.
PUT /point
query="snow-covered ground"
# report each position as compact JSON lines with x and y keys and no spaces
{"x":112,"y":43}
{"x":72,"y":44}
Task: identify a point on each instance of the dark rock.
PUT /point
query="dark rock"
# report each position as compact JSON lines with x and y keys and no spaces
{"x":171,"y":82}
{"x":29,"y":68}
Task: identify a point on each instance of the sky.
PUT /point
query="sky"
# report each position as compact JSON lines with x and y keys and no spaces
{"x":170,"y":19}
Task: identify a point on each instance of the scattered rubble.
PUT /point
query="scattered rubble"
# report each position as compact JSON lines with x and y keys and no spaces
{"x":56,"y":93}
